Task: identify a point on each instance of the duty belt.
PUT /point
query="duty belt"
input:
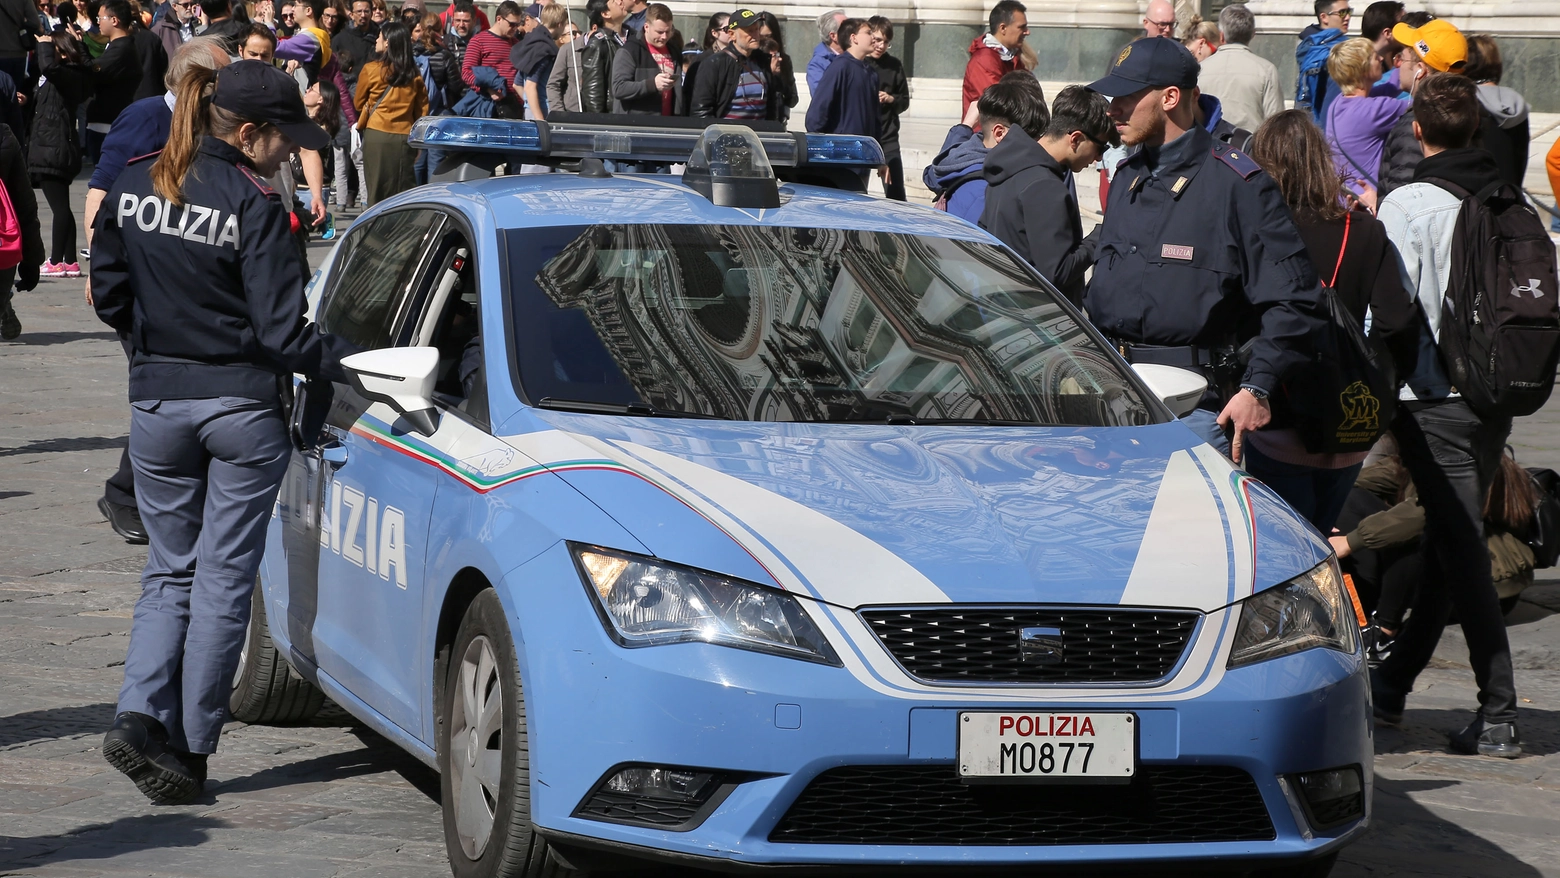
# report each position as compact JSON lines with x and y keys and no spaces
{"x":1221,"y":366}
{"x":1184,"y":356}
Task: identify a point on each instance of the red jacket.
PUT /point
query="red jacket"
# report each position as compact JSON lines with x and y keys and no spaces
{"x":985,"y":68}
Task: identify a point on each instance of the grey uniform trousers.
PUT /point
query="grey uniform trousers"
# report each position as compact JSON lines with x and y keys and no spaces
{"x":207,"y":473}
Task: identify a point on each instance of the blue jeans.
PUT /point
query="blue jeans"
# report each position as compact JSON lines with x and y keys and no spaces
{"x":206,"y":476}
{"x":1205,"y":423}
{"x":1317,"y":494}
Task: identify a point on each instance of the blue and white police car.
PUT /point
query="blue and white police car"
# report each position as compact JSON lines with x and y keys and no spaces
{"x":725,"y":522}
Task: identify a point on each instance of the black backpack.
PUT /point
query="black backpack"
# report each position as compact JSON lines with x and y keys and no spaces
{"x":1344,"y":399}
{"x":1500,"y":316}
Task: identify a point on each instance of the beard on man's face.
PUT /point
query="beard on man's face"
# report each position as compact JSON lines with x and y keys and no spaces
{"x":1147,"y":123}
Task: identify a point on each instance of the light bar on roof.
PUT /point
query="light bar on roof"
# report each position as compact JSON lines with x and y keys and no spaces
{"x":571,"y":140}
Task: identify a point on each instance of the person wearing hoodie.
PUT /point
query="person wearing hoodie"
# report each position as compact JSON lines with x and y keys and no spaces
{"x":956,"y":177}
{"x":533,"y":58}
{"x":1029,"y":205}
{"x":1504,"y":124}
{"x":1429,"y":46}
{"x":995,"y":53}
{"x":1450,"y":450}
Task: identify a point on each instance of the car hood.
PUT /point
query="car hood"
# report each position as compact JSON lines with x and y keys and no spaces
{"x":887,"y":514}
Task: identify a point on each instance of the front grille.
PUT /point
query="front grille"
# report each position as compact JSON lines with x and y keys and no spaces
{"x":980,"y":645}
{"x":928,"y":805}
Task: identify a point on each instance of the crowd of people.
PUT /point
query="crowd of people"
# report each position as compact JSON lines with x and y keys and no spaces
{"x":1259,"y":245}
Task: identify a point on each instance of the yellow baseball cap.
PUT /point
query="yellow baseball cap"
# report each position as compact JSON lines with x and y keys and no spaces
{"x":1439,"y":43}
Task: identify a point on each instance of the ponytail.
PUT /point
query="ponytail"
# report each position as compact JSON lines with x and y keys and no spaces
{"x":191,"y":121}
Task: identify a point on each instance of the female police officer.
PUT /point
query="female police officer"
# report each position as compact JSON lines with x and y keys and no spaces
{"x":193,"y":259}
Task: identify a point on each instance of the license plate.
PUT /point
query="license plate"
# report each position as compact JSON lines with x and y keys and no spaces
{"x":1026,"y":746}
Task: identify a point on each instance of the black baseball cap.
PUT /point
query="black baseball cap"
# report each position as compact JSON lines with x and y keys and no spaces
{"x":258,"y":92}
{"x":743,"y":18}
{"x":1152,"y":62}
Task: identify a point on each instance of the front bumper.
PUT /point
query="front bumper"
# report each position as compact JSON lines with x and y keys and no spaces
{"x":594,"y":705}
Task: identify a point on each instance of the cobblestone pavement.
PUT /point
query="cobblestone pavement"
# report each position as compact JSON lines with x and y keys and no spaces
{"x":332,"y":798}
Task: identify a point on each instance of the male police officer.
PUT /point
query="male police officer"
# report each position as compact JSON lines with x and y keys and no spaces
{"x":1200,"y":264}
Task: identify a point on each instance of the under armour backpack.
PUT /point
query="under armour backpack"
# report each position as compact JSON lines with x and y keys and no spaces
{"x":1500,"y":316}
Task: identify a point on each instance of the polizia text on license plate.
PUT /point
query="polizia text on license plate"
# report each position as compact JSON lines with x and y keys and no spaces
{"x":1022,"y":745}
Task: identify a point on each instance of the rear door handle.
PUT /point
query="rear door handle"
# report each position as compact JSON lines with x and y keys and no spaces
{"x":333,"y":453}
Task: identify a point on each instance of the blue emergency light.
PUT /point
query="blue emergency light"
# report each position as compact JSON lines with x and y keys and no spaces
{"x":633,"y":142}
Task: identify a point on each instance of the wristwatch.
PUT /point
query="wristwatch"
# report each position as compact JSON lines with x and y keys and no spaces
{"x":1254,"y":390}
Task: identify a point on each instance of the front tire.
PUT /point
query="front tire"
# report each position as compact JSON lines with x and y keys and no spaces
{"x":266,"y":689}
{"x":484,"y":755}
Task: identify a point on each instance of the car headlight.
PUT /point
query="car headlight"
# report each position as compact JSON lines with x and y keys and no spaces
{"x":1312,"y":610}
{"x":646,"y":602}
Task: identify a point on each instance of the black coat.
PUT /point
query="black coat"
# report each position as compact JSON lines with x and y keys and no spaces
{"x":633,"y":80}
{"x":719,"y":73}
{"x":209,"y":312}
{"x":154,"y":62}
{"x":116,"y":76}
{"x":13,"y":174}
{"x":891,"y":78}
{"x":1029,"y":209}
{"x":17,"y":17}
{"x":601,"y":49}
{"x":1399,"y":156}
{"x":54,"y":150}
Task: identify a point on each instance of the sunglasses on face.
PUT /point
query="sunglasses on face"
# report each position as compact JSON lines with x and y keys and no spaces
{"x":1345,"y":12}
{"x":1162,"y":25}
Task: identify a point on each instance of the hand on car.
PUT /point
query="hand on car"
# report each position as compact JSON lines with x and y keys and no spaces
{"x":1247,"y":413}
{"x":1340,"y":544}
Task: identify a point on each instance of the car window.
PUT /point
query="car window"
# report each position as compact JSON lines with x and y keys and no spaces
{"x":796,"y":324}
{"x":448,"y":319}
{"x":374,"y":275}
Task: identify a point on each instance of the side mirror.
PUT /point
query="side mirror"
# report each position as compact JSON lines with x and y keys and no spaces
{"x":401,"y":378}
{"x":1179,"y":389}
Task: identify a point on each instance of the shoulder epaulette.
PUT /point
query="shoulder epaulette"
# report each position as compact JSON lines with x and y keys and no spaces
{"x":1238,"y":161}
{"x":256,"y":179}
{"x":142,"y":158}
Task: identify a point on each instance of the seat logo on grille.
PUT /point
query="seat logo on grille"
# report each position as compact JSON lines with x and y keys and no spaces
{"x":1040,"y":646}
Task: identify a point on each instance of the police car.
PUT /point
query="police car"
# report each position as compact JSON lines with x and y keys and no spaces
{"x":725,"y":522}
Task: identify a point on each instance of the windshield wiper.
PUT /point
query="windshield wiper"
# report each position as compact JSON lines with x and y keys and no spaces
{"x":638,"y":409}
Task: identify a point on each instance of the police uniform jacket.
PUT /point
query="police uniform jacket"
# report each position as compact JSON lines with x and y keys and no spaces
{"x":210,"y":293}
{"x":1198,"y":248}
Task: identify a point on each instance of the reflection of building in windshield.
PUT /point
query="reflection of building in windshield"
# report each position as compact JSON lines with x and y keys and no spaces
{"x":776,"y":324}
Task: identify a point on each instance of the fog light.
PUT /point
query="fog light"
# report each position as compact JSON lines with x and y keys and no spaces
{"x":664,"y":796}
{"x":1332,"y":797}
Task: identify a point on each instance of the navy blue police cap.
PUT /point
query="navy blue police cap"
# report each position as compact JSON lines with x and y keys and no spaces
{"x":258,"y":92}
{"x":1152,"y":62}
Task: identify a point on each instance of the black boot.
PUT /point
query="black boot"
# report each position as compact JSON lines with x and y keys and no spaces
{"x":137,"y":745}
{"x":1487,"y":739}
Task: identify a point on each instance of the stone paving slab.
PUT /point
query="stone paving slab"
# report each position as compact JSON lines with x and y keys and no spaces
{"x":331,"y":798}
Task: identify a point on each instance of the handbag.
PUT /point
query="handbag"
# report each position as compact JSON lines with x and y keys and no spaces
{"x":10,"y":232}
{"x":1346,"y":396}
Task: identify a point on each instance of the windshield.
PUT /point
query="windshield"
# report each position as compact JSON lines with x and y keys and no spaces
{"x":757,"y":323}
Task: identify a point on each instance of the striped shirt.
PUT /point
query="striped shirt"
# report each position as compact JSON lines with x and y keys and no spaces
{"x":749,"y":100}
